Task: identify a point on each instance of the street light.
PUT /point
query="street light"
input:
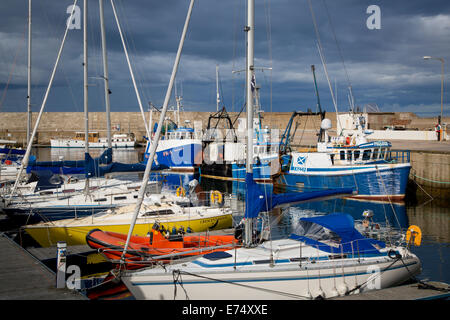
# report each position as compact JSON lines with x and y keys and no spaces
{"x":442,"y":87}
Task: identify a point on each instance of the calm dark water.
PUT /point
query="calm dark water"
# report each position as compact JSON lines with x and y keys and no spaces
{"x":433,"y":217}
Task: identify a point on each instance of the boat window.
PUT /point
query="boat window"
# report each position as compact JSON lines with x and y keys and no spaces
{"x":382,"y":152}
{"x":217,"y":255}
{"x":100,"y":200}
{"x":316,"y":232}
{"x":366,"y":154}
{"x":349,"y":155}
{"x":120,"y":198}
{"x":356,"y":154}
{"x":375,"y":153}
{"x":45,"y":192}
{"x":158,"y":213}
{"x":342,"y":155}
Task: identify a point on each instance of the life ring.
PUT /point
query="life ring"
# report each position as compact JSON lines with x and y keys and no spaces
{"x":414,"y":235}
{"x":181,"y":192}
{"x":216,"y":197}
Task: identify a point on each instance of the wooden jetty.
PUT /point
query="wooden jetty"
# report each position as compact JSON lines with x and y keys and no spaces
{"x":23,"y":277}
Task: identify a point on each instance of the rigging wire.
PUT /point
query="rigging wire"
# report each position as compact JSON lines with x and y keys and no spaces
{"x":51,"y":30}
{"x":340,"y":54}
{"x":128,"y":34}
{"x":322,"y":57}
{"x":269,"y":45}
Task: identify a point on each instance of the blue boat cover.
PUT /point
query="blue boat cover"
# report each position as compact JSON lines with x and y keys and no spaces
{"x":257,"y":201}
{"x":349,"y":241}
{"x":13,"y":151}
{"x":46,"y":179}
{"x":67,"y":166}
{"x":93,"y":168}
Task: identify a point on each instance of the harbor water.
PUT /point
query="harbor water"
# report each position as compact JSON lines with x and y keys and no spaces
{"x":431,"y":215}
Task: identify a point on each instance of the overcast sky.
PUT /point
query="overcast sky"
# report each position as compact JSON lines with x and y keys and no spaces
{"x":385,"y":66}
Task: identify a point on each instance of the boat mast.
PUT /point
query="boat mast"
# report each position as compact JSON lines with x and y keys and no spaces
{"x":177,"y":111}
{"x":217,"y":88}
{"x":29,"y":119}
{"x":250,"y":29}
{"x":26,"y":157}
{"x":105,"y":75}
{"x":154,"y":145}
{"x":313,"y":69}
{"x":85,"y":87}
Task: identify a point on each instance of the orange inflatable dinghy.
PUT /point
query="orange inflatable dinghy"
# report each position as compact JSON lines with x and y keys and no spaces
{"x":142,"y":251}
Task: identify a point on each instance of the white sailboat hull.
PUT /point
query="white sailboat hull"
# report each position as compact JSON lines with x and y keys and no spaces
{"x":282,"y":281}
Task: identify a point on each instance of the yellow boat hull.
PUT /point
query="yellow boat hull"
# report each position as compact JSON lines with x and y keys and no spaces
{"x":48,"y":235}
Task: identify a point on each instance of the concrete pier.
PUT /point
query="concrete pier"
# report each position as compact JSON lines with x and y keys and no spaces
{"x":24,"y":278}
{"x":430,"y":291}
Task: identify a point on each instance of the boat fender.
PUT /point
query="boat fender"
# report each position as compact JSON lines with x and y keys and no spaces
{"x":181,"y":192}
{"x":216,"y":197}
{"x":174,"y":230}
{"x":151,"y":238}
{"x":181,"y":230}
{"x":189,"y":230}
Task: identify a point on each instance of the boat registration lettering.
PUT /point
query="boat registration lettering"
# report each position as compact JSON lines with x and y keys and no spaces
{"x":299,"y":164}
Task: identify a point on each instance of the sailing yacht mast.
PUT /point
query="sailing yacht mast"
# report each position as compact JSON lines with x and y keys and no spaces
{"x":155,"y":141}
{"x":105,"y":74}
{"x":217,"y":88}
{"x":85,"y":87}
{"x":29,"y":75}
{"x":250,"y":29}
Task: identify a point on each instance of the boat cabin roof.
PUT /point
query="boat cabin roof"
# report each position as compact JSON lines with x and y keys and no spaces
{"x":182,"y":129}
{"x":367,"y":145}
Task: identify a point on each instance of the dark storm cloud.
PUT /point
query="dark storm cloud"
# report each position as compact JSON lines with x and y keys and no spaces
{"x":384,"y":66}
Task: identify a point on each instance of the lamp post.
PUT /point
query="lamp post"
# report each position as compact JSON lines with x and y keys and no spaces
{"x":442,"y":87}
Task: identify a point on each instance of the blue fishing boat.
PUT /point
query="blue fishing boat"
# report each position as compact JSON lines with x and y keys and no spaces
{"x":349,"y":160}
{"x":179,"y":149}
